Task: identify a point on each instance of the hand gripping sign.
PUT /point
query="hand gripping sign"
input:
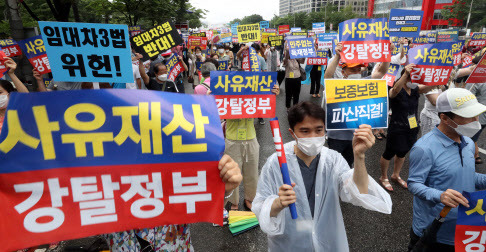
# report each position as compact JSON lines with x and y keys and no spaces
{"x":282,"y":160}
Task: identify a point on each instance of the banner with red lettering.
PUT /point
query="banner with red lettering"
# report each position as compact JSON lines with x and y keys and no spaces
{"x":433,"y":63}
{"x":391,"y":75}
{"x":35,"y":51}
{"x":365,"y":40}
{"x":88,"y":162}
{"x":196,"y":41}
{"x":10,"y":47}
{"x":471,"y":225}
{"x":244,"y":94}
{"x":479,"y":73}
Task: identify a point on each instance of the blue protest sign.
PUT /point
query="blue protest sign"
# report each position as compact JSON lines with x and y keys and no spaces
{"x":447,"y":35}
{"x":35,"y":51}
{"x":264,"y":24}
{"x":81,"y":52}
{"x":242,"y":83}
{"x":295,"y":29}
{"x":405,"y":23}
{"x":223,"y":65}
{"x":301,"y":48}
{"x":434,"y":63}
{"x":319,"y":27}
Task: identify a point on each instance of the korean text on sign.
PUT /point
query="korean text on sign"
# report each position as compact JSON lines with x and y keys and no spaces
{"x":396,"y":42}
{"x":405,"y":23}
{"x":103,"y":161}
{"x":282,"y":29}
{"x":447,"y":36}
{"x":301,"y":48}
{"x":350,"y":103}
{"x":391,"y":74}
{"x":479,"y":73}
{"x":320,"y":59}
{"x":195,"y":41}
{"x":156,"y":40}
{"x":434,"y":63}
{"x":470,"y":232}
{"x":319,"y":27}
{"x":10,"y":47}
{"x":174,"y":67}
{"x":35,"y":51}
{"x":478,"y":39}
{"x":457,"y":51}
{"x":249,"y":33}
{"x":365,"y":40}
{"x":81,"y":52}
{"x":275,"y":40}
{"x":250,"y":60}
{"x":244,"y":94}
{"x":264,"y":24}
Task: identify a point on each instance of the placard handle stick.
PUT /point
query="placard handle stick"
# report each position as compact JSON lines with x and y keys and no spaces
{"x":277,"y":139}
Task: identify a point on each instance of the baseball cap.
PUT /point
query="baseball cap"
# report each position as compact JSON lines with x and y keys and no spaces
{"x":343,"y":65}
{"x":461,"y":102}
{"x":166,"y":53}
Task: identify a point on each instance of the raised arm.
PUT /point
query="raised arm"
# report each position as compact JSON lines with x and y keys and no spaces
{"x":331,"y":68}
{"x":401,"y":82}
{"x":11,"y":65}
{"x":40,"y":84}
{"x":141,"y":68}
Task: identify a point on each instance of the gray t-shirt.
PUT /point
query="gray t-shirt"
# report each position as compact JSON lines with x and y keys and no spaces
{"x":64,"y":86}
{"x":479,"y":90}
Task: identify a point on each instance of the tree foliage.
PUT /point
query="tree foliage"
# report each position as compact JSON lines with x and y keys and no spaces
{"x":146,"y":13}
{"x":460,"y":11}
{"x":305,"y":20}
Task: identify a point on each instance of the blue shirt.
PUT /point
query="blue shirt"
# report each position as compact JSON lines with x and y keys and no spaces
{"x":438,"y":163}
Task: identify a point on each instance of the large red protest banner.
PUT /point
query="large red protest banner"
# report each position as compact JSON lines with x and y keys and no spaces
{"x":282,"y":29}
{"x":479,"y":73}
{"x":106,"y":161}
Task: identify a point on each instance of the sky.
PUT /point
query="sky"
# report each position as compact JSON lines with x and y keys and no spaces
{"x":223,"y":11}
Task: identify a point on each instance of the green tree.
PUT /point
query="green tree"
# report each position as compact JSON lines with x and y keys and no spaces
{"x":252,"y":19}
{"x":460,"y":11}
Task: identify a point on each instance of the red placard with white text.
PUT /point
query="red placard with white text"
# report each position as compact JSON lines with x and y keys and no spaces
{"x":479,"y":73}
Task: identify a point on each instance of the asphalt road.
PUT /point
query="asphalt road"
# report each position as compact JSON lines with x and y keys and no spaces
{"x":366,"y":230}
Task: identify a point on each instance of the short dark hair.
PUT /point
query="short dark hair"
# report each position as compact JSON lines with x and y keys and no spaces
{"x":299,"y":111}
{"x":7,"y":86}
{"x":197,"y":48}
{"x":214,"y":61}
{"x":256,"y":46}
{"x":157,"y":67}
{"x":448,"y":114}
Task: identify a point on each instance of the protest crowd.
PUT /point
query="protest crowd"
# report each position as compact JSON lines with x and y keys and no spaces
{"x":123,"y":122}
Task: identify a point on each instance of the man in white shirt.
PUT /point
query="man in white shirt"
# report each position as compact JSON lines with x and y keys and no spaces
{"x":320,"y":177}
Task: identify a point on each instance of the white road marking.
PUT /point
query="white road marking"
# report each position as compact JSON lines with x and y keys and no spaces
{"x":482,"y":151}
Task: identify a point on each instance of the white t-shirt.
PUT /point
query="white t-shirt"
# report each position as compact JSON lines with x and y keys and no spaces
{"x":136,"y":75}
{"x":428,"y":105}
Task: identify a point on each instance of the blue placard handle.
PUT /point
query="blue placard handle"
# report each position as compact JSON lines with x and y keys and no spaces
{"x":286,"y":179}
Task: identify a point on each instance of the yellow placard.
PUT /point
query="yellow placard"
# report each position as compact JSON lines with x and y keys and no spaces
{"x":265,"y":36}
{"x":339,"y":90}
{"x":249,"y":33}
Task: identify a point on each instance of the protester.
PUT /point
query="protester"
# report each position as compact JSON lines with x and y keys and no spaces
{"x":163,"y":58}
{"x":320,"y":177}
{"x":241,"y":144}
{"x":261,"y":60}
{"x":428,"y":117}
{"x":293,"y":80}
{"x":273,"y":59}
{"x":161,"y":81}
{"x":6,"y":88}
{"x":403,"y":126}
{"x":442,"y":167}
{"x":228,"y":52}
{"x":341,"y":140}
{"x":172,"y":237}
{"x":204,"y":88}
{"x":222,"y":56}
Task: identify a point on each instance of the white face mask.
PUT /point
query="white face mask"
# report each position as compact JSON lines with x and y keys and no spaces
{"x":162,"y":77}
{"x":214,"y":48}
{"x":354,"y":76}
{"x":198,"y":54}
{"x":227,"y":50}
{"x":311,"y":146}
{"x":3,"y":101}
{"x":272,"y":48}
{"x":221,"y":50}
{"x":412,"y":85}
{"x":469,"y":129}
